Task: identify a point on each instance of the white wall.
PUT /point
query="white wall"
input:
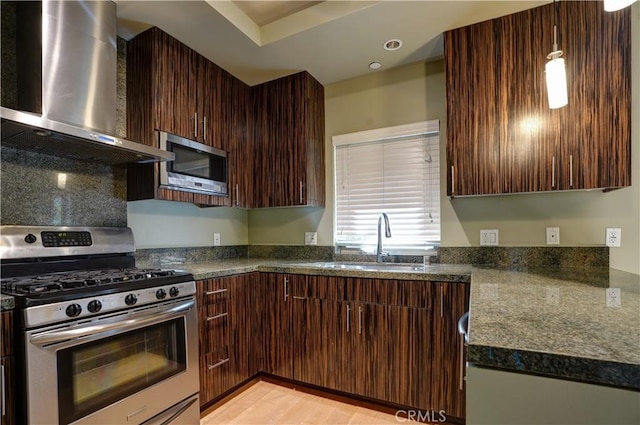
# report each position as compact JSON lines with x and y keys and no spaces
{"x":164,"y":224}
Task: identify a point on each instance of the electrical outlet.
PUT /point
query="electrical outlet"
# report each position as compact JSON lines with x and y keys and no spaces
{"x":613,"y":236}
{"x":553,"y":236}
{"x":216,"y":239}
{"x":489,"y":237}
{"x":613,"y":297}
{"x":311,"y":238}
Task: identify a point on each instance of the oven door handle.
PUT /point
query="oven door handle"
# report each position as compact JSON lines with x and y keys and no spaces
{"x":135,"y":321}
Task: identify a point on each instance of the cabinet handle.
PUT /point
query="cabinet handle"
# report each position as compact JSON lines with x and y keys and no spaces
{"x":441,"y":301}
{"x":461,"y":362}
{"x":204,"y":128}
{"x":348,"y":318}
{"x":359,"y":319}
{"x":453,"y":185}
{"x":217,"y":291}
{"x":570,"y":170}
{"x":553,"y":171}
{"x":3,"y":390}
{"x":217,"y":316}
{"x":301,"y":197}
{"x":220,"y":363}
{"x":286,"y":289}
{"x":237,"y":201}
{"x":195,"y":123}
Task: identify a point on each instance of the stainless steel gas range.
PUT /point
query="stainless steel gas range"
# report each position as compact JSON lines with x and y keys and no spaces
{"x":99,"y":341}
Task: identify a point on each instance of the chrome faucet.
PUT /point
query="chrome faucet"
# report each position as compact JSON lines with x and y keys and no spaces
{"x":387,"y":233}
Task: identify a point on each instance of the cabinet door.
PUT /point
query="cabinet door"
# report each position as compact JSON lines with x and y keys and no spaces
{"x":239,"y":112}
{"x":277,"y":325}
{"x":596,"y":124}
{"x":448,"y":391}
{"x":209,"y":103}
{"x":473,"y":121}
{"x":175,"y":100}
{"x":7,"y":393}
{"x":528,"y":131}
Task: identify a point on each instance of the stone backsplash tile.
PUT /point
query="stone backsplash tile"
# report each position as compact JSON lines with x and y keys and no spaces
{"x":526,"y":256}
{"x":45,"y":190}
{"x":293,"y":253}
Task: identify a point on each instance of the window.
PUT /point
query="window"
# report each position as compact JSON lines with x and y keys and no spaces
{"x":395,"y":170}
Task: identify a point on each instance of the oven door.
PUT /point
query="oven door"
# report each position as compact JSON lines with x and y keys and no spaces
{"x":122,"y":368}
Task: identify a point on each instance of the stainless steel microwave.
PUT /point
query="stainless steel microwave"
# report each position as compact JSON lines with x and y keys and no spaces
{"x":196,"y":168}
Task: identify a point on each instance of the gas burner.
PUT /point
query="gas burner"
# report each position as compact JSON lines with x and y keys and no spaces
{"x":74,"y":280}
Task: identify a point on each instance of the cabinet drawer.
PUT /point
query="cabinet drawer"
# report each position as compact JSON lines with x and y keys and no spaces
{"x":214,"y":327}
{"x":212,"y":291}
{"x":404,"y":293}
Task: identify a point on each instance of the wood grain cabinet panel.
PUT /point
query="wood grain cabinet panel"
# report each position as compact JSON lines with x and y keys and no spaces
{"x":7,"y":367}
{"x":227,"y":343}
{"x":501,"y":135}
{"x":289,"y":142}
{"x":447,"y":374}
{"x":277,"y":353}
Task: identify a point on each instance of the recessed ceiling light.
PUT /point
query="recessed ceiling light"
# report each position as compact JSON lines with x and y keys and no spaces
{"x":393,"y":44}
{"x":375,"y":65}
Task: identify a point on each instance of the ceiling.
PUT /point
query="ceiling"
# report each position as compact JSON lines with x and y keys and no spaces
{"x":258,"y":41}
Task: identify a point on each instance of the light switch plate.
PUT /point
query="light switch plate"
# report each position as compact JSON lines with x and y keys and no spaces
{"x":553,"y":236}
{"x":216,"y":239}
{"x":311,"y":238}
{"x":613,"y":236}
{"x":489,"y":237}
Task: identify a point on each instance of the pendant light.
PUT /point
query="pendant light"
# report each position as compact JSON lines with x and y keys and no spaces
{"x":555,"y":72}
{"x":613,"y":5}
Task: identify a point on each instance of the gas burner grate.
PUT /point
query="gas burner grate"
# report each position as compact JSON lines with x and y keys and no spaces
{"x":54,"y":282}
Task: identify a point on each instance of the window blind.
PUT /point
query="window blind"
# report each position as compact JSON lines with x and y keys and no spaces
{"x":398,"y":174}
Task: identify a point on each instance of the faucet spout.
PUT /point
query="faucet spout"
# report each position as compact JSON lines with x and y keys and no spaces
{"x":387,"y":233}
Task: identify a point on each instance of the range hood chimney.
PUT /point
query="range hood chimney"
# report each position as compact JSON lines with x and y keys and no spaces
{"x":68,"y":106}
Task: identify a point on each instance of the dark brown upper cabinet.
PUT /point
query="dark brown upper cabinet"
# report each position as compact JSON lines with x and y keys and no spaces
{"x":501,"y":135}
{"x":289,"y":142}
{"x":174,"y":89}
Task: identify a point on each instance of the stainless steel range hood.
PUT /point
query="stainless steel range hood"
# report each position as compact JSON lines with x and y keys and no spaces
{"x":69,"y":108}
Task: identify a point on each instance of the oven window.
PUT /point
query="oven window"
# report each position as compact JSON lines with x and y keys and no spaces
{"x":99,"y":373}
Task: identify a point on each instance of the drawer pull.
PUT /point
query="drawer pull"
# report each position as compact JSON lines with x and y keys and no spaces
{"x":217,"y":316}
{"x":220,"y":363}
{"x":217,"y":291}
{"x":295,"y":297}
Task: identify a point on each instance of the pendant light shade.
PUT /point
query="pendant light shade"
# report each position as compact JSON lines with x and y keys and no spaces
{"x":555,"y":72}
{"x":556,"y":83}
{"x":613,"y":5}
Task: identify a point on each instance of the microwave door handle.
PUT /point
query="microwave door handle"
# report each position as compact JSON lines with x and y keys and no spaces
{"x":133,"y":322}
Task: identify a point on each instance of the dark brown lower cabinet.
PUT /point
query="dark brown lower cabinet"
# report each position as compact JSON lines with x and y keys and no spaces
{"x":7,"y":380}
{"x":228,"y":347}
{"x":277,"y":323}
{"x":449,"y":356}
{"x":389,"y":340}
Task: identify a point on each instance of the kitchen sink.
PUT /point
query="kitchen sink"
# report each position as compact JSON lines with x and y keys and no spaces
{"x":368,"y":266}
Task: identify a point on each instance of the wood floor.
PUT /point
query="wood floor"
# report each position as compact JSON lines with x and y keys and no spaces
{"x":268,"y":403}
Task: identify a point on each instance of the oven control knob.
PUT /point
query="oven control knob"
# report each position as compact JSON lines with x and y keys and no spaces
{"x":161,"y":294}
{"x":130,"y":299}
{"x":73,"y":310}
{"x":94,"y":306}
{"x":30,"y":238}
{"x":174,"y":291}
